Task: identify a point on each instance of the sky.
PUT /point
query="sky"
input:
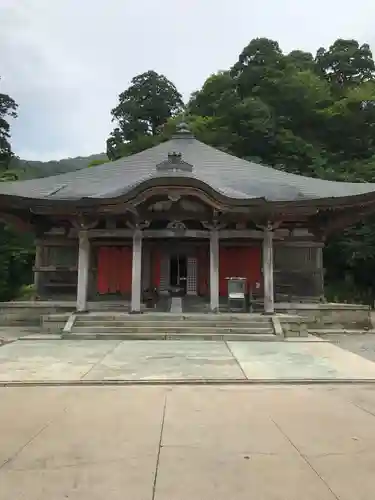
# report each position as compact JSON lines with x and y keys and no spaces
{"x":66,"y":61}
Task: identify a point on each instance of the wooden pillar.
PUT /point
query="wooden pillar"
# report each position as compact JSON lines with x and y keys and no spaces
{"x":269,"y":306}
{"x":136,"y":271}
{"x":83,"y":270}
{"x":38,"y":276}
{"x":320,"y":273}
{"x":214,"y":270}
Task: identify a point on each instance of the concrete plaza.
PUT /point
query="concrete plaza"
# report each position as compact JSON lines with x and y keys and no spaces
{"x":95,"y":361}
{"x":183,"y":443}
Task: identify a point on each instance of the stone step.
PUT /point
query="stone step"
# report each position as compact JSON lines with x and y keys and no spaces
{"x":338,"y":331}
{"x":228,"y":337}
{"x":171,"y":329}
{"x":173,"y":318}
{"x":171,"y":324}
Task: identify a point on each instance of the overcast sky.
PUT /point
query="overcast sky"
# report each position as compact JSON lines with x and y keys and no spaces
{"x":66,"y":61}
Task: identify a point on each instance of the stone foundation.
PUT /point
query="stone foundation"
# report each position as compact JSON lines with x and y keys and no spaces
{"x":54,"y":323}
{"x":30,"y":313}
{"x":293,"y":325}
{"x":329,"y":316}
{"x":296,"y":319}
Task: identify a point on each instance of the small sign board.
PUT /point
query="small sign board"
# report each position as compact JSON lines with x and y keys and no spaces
{"x":236,"y":287}
{"x":237,"y":292}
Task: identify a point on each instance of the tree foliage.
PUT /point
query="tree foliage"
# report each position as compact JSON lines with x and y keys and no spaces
{"x":346,"y":63}
{"x":16,"y":260}
{"x":16,"y":251}
{"x":307,"y":115}
{"x":143,"y":108}
{"x":8,"y":109}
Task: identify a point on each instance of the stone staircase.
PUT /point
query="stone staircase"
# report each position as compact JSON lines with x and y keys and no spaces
{"x":159,"y":326}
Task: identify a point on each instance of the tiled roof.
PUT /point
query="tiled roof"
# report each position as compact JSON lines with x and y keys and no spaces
{"x":229,"y":176}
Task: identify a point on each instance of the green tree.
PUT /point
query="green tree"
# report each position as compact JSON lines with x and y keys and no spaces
{"x":346,"y":62}
{"x":303,"y":115}
{"x":16,"y":254}
{"x":16,"y":250}
{"x":16,"y":260}
{"x":8,"y":109}
{"x":301,"y":60}
{"x":268,"y":107}
{"x":217,"y":96}
{"x":259,"y":65}
{"x":143,"y":108}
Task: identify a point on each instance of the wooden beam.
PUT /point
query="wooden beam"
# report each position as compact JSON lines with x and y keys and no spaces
{"x":57,"y":242}
{"x":179,"y":215}
{"x":308,"y":243}
{"x":329,"y":221}
{"x":170,"y":233}
{"x":48,"y":269}
{"x":240,"y":233}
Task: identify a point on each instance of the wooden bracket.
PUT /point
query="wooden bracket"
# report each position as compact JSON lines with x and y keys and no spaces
{"x":84,"y":223}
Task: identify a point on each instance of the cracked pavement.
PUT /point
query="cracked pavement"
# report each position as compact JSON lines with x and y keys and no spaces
{"x":184,"y":443}
{"x":50,"y":360}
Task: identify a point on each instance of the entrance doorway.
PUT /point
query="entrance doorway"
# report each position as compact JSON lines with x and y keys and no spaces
{"x":178,"y":274}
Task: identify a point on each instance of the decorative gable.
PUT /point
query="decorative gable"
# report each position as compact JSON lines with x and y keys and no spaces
{"x":174,"y":163}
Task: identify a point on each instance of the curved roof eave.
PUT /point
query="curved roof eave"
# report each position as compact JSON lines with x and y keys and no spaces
{"x":128,"y":193}
{"x":124,"y":196}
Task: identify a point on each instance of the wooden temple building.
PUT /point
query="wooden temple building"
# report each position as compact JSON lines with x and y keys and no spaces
{"x":181,"y":216}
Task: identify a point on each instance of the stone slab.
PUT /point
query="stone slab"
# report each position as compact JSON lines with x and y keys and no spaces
{"x":223,"y":420}
{"x":321,"y":423}
{"x":59,"y":361}
{"x":48,"y":360}
{"x":11,"y":333}
{"x":176,"y":305}
{"x":299,"y":361}
{"x":363,"y":397}
{"x":189,"y":473}
{"x":361,"y":344}
{"x":97,"y":426}
{"x":25,"y":412}
{"x":350,"y":476}
{"x":309,"y":338}
{"x":216,"y":442}
{"x":41,"y":336}
{"x":167,"y":360}
{"x":79,"y":443}
{"x":131,"y":478}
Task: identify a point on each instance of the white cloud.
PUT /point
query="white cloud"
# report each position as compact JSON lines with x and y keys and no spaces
{"x":66,"y":61}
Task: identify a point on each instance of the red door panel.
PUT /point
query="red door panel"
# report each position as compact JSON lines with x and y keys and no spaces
{"x":125,"y":270}
{"x":114,"y":269}
{"x":112,"y":261}
{"x":244,"y":262}
{"x":102,"y":271}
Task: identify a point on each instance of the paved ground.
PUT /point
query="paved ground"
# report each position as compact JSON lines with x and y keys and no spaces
{"x":193,"y":442}
{"x":364,"y":344}
{"x":111,"y":360}
{"x":185,"y":443}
